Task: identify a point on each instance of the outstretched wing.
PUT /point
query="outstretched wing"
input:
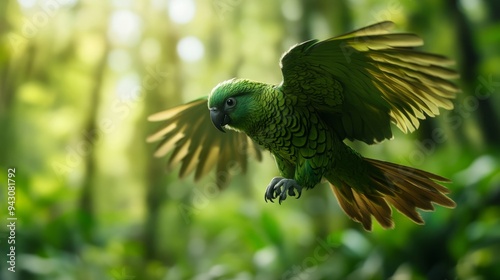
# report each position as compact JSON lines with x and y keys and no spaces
{"x":361,"y":81}
{"x":197,"y":146}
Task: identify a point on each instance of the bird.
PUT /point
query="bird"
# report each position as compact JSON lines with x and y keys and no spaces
{"x":348,"y":87}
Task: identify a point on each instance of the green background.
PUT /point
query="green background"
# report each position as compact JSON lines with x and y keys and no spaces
{"x":79,"y":78}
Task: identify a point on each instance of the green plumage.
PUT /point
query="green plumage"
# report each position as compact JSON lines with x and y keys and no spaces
{"x":348,"y":87}
{"x":302,"y":143}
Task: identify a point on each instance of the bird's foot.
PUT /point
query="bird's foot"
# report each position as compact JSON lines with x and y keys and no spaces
{"x":279,"y":187}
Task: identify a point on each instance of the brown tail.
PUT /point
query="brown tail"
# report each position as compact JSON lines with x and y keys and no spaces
{"x":404,"y":187}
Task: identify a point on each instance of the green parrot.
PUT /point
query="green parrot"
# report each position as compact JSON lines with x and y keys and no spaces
{"x":347,"y":87}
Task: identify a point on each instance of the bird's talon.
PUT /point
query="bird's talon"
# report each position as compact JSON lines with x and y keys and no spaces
{"x":282,"y":196}
{"x":280,"y":187}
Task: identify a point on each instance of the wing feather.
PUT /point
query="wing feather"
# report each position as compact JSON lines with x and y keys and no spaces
{"x":195,"y":144}
{"x":382,"y":78}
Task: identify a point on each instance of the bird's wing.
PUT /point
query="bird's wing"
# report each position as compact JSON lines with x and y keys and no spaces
{"x":197,"y":146}
{"x":361,"y":81}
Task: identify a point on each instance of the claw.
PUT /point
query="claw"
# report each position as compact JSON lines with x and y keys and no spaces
{"x":279,"y":187}
{"x":271,"y":191}
{"x":282,"y":197}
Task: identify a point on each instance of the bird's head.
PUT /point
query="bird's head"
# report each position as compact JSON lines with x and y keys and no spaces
{"x":233,"y":102}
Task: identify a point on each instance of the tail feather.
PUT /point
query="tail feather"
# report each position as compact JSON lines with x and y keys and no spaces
{"x":377,"y":207}
{"x":360,"y":207}
{"x":346,"y":200}
{"x":406,"y":188}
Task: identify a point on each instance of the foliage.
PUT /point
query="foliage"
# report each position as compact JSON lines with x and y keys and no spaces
{"x":79,"y":77}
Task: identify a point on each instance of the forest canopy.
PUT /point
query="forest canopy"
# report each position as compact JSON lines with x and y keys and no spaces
{"x":78,"y":79}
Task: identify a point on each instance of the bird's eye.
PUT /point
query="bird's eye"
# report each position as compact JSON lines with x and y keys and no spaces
{"x":230,"y":102}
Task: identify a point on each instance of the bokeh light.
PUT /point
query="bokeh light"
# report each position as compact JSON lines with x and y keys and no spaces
{"x":190,"y":49}
{"x":181,"y":11}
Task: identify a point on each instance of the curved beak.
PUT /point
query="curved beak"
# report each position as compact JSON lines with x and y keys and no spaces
{"x":219,"y":118}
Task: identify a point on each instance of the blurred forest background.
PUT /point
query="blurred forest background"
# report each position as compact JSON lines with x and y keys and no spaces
{"x":78,"y":79}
